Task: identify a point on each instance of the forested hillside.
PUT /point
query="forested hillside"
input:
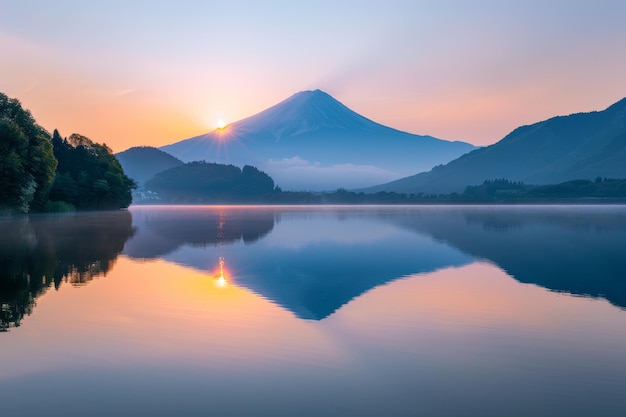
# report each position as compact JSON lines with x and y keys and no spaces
{"x":44,"y":173}
{"x":203,"y":182}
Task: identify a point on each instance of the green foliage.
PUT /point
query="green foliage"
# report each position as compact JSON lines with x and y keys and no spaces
{"x":39,"y":172}
{"x":255,"y":182}
{"x":490,"y":189}
{"x":27,"y":164}
{"x":59,"y":207}
{"x":88,"y":176}
{"x":502,"y":190}
{"x":13,"y":146}
{"x":600,"y":188}
{"x":202,"y":182}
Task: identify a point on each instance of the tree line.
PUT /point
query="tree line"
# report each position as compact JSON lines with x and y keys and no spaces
{"x":205,"y":183}
{"x":211,"y":183}
{"x":43,"y":172}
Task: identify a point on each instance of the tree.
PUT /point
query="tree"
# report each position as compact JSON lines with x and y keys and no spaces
{"x":27,"y":163}
{"x":203,"y":182}
{"x":255,"y":182}
{"x":89,"y":176}
{"x":14,"y":193}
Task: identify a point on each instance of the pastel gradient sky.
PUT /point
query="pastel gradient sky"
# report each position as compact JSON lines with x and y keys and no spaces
{"x":138,"y":72}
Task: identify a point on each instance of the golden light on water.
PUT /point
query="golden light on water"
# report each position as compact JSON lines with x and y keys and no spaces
{"x":220,"y":279}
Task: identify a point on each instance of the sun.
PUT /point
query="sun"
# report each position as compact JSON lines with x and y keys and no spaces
{"x":221,"y":124}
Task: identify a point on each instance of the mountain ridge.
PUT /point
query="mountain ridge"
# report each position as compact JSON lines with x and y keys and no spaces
{"x":559,"y":149}
{"x":311,"y":141}
{"x":143,"y":162}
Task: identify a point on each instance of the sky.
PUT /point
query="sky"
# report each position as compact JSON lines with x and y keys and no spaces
{"x":130,"y":73}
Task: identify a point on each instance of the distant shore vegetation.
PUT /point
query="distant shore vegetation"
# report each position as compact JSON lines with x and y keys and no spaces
{"x":43,"y":172}
{"x":234,"y":186}
{"x":210,"y":182}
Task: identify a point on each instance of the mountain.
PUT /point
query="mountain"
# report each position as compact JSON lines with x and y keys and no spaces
{"x":142,"y":162}
{"x":578,"y":146}
{"x":311,"y":141}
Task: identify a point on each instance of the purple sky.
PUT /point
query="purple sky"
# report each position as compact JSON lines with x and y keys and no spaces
{"x":155,"y":72}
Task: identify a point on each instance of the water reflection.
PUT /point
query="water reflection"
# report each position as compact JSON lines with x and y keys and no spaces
{"x":157,"y":338}
{"x":314,"y":262}
{"x":576,"y":250}
{"x":38,"y":252}
{"x":320,"y":259}
{"x":220,"y":277}
{"x":162,"y":230}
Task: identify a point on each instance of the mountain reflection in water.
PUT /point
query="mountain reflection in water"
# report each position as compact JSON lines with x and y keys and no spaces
{"x":313,"y":260}
{"x":321,"y":258}
{"x":575,"y":249}
{"x":310,"y":311}
{"x":312,"y":264}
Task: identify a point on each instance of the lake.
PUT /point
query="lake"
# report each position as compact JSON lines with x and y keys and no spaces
{"x":315,"y":311}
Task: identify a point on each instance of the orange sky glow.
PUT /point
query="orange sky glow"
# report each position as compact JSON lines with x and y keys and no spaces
{"x":160,"y":72}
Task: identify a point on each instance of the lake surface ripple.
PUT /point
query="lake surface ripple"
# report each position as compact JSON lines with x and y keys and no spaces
{"x":315,"y":311}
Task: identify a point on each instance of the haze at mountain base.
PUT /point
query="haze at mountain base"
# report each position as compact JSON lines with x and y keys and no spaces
{"x":310,"y":141}
{"x":563,"y":148}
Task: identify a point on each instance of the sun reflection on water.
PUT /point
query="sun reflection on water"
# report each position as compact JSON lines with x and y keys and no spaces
{"x":220,"y":279}
{"x":221,"y":282}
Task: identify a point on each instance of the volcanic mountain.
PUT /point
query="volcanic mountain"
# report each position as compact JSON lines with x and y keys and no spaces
{"x":563,"y":148}
{"x":311,"y":141}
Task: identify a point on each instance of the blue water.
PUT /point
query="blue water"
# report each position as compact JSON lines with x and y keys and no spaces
{"x":308,"y":311}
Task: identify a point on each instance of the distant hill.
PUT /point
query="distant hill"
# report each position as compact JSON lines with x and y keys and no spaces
{"x":579,"y":146}
{"x":142,"y":162}
{"x":204,"y":182}
{"x":311,"y":141}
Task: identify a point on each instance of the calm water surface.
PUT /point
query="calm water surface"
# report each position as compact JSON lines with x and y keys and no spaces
{"x":329,"y":311}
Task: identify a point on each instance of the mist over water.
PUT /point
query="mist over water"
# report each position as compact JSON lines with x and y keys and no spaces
{"x":315,"y":311}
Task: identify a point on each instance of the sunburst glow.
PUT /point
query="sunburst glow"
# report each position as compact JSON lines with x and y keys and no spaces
{"x":221,"y":124}
{"x":221,"y":282}
{"x":220,"y":279}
